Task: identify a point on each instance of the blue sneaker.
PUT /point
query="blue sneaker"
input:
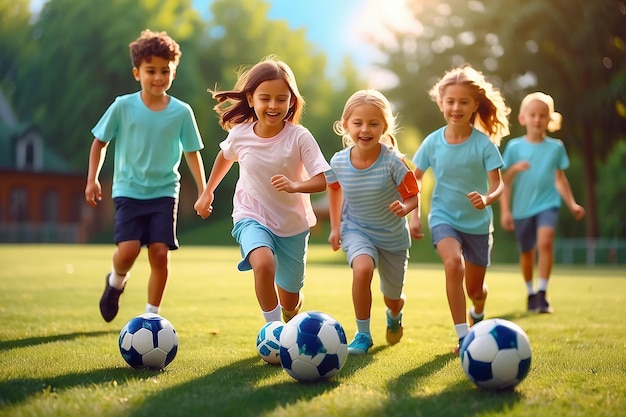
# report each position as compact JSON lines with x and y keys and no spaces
{"x":394,"y":328}
{"x":361,"y":344}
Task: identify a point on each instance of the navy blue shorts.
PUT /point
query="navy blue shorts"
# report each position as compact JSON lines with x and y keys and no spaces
{"x":147,"y":221}
{"x":526,"y":229}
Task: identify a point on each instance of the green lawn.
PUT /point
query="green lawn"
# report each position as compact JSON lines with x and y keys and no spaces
{"x":59,"y":358}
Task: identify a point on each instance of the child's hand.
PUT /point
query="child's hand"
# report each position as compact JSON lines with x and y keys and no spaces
{"x":478,"y":200}
{"x":577,"y":211}
{"x":203,"y":205}
{"x":399,"y":208}
{"x":282,"y":183}
{"x":415,"y":227}
{"x":335,"y":239}
{"x":521,"y":166}
{"x":93,"y":193}
{"x":506,"y":221}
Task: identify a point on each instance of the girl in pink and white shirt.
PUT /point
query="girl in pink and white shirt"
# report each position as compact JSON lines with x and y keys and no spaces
{"x":280,"y":164}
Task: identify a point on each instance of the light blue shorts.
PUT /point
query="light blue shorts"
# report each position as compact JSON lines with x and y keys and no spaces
{"x":391,"y":265}
{"x":289,"y":252}
{"x":475,"y":248}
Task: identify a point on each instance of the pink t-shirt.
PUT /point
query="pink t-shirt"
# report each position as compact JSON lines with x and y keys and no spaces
{"x":293,"y":153}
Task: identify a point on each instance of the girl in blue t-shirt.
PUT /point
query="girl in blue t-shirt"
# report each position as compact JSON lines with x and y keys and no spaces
{"x":466,"y":164}
{"x":535,"y":182}
{"x":371,"y":190}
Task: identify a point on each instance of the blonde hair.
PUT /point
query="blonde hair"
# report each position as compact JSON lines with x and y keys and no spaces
{"x":491,"y":117}
{"x":232,"y":105}
{"x":555,"y":118}
{"x":376,"y":98}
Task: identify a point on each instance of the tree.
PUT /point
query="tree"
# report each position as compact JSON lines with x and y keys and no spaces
{"x":534,"y":48}
{"x":82,"y":63}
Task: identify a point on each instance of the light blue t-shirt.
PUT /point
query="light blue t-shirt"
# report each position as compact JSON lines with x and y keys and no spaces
{"x":459,"y":169}
{"x":367,"y":194}
{"x":148,"y":145}
{"x":534,"y":190}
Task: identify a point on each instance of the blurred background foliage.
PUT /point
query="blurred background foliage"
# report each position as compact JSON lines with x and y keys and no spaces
{"x":62,"y":68}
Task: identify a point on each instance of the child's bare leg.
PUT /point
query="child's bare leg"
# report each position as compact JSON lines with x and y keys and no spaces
{"x":159,"y":257}
{"x":475,"y":284}
{"x":362,"y":274}
{"x":449,"y":250}
{"x":262,"y":262}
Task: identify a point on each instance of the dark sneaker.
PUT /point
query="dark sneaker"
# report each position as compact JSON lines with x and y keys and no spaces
{"x":110,"y":300}
{"x":532,"y":302}
{"x":543,"y":306}
{"x":458,"y":347}
{"x":473,"y":320}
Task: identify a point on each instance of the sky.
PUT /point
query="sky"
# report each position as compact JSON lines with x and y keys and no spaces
{"x":338,"y":27}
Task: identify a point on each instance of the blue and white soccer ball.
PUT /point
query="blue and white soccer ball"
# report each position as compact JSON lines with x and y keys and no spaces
{"x":313,"y":346}
{"x":268,"y":342}
{"x":496,"y":354}
{"x":148,"y":341}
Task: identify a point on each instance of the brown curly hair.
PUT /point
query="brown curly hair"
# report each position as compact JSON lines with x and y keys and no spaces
{"x":150,"y":44}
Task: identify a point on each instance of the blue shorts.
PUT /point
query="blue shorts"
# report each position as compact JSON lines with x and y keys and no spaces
{"x":147,"y":221}
{"x":526,"y":229}
{"x":289,"y":252}
{"x":475,"y":248}
{"x":391,"y":265}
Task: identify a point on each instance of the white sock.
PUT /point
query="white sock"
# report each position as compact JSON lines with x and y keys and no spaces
{"x":118,"y":281}
{"x":529,"y":287}
{"x":363,"y":326}
{"x":152,"y":309}
{"x":273,"y":315}
{"x":461,"y":330}
{"x":476,"y":315}
{"x":542,"y":284}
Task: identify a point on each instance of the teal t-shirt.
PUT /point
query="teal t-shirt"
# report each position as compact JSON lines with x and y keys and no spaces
{"x":534,"y":190}
{"x":458,"y":170}
{"x":148,"y":145}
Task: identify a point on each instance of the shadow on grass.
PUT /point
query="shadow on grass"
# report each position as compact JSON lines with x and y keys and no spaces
{"x":18,"y":390}
{"x":233,"y":390}
{"x":41,"y":340}
{"x":462,"y":395}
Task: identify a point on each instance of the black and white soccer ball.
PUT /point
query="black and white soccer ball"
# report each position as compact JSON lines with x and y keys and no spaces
{"x":148,"y":341}
{"x":313,"y":346}
{"x":496,"y":354}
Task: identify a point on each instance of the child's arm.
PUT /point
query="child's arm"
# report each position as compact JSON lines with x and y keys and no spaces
{"x":493,"y":194}
{"x":564,"y":188}
{"x":415,"y":222}
{"x":410,"y":196}
{"x":93,"y":190}
{"x":506,"y":219}
{"x":335,"y":201}
{"x":315,"y":184}
{"x":221,"y":166}
{"x":194,"y":162}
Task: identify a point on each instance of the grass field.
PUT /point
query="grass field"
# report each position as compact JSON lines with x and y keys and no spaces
{"x":59,"y":358}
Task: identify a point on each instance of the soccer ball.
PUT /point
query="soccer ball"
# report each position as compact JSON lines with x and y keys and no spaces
{"x":268,"y":341}
{"x":495,"y":354}
{"x":313,"y":346}
{"x":148,"y":341}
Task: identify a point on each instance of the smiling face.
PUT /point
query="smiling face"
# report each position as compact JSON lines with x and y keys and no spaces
{"x":156,"y":76}
{"x":366,"y":124}
{"x":271,"y":102}
{"x":458,"y":104}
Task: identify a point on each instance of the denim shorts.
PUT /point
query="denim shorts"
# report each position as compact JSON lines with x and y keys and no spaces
{"x":147,"y":221}
{"x":526,"y":229}
{"x":289,"y":252}
{"x":475,"y":248}
{"x":391,"y":265}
